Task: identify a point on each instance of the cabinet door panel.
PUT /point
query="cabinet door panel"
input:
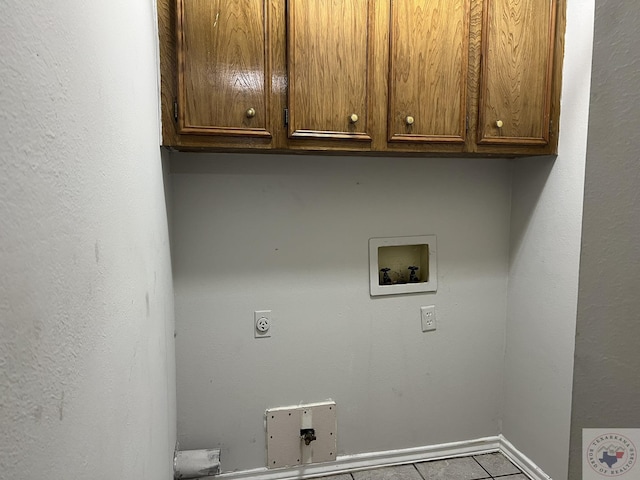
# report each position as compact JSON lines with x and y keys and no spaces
{"x":517,"y":67}
{"x":328,"y":60}
{"x":223,"y":70}
{"x":429,"y":48}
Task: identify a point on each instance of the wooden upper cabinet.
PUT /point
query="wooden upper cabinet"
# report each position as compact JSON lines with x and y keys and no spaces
{"x":516,"y":79}
{"x":428,"y":70}
{"x":223,"y":67}
{"x":385,"y":76}
{"x":328,"y":66}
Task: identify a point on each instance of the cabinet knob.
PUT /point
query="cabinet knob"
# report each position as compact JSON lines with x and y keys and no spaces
{"x":409,"y":120}
{"x":499,"y":123}
{"x":353,"y":118}
{"x":251,"y":112}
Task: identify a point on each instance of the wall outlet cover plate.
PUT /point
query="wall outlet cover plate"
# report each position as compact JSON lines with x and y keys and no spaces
{"x":428,"y":318}
{"x":262,"y":323}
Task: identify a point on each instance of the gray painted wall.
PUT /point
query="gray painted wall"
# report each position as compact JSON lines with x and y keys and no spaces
{"x":606,"y":387}
{"x":87,"y":376}
{"x":290,"y":234}
{"x":544,"y":258}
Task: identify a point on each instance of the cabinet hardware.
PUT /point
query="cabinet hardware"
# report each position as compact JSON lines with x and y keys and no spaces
{"x":251,"y":112}
{"x":286,"y":117}
{"x":409,"y":120}
{"x":353,"y":118}
{"x":175,"y":110}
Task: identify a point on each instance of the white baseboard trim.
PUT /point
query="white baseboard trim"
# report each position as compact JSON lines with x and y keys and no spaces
{"x":365,"y":461}
{"x":523,"y":462}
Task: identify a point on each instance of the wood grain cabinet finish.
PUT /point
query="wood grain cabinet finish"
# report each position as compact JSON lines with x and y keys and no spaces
{"x":517,"y":72}
{"x":393,"y":77}
{"x":328,"y":67}
{"x":428,"y":70}
{"x":223,"y":69}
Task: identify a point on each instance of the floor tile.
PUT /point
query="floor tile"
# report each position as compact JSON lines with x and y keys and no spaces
{"x":344,"y":476}
{"x":400,"y":472}
{"x":452,"y":469}
{"x":497,"y":464}
{"x":520,"y":476}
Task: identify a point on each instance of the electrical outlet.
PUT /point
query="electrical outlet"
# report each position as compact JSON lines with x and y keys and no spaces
{"x":262,"y":323}
{"x":428,"y":317}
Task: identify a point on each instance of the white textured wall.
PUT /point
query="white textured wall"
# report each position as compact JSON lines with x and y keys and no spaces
{"x":543,"y":273}
{"x":290,"y":234}
{"x":87,"y":385}
{"x":606,"y":384}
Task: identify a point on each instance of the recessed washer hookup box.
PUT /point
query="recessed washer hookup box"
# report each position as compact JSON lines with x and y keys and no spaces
{"x":400,"y":265}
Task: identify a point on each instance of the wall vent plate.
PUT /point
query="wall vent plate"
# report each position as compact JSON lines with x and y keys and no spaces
{"x":285,"y":446}
{"x":403,"y":265}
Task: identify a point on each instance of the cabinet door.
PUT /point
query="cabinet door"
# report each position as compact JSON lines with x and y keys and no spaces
{"x":328,"y":65}
{"x":516,"y":72}
{"x":223,"y":68}
{"x":429,"y":50}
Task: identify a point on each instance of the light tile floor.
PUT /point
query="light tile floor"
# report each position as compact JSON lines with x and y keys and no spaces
{"x":488,"y":466}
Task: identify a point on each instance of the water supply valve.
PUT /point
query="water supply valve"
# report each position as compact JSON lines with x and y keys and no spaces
{"x":308,"y":435}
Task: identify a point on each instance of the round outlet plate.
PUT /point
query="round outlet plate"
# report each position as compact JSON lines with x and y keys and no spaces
{"x":262,"y":325}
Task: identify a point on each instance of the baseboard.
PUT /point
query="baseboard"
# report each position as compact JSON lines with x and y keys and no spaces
{"x":365,"y":461}
{"x":523,"y":462}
